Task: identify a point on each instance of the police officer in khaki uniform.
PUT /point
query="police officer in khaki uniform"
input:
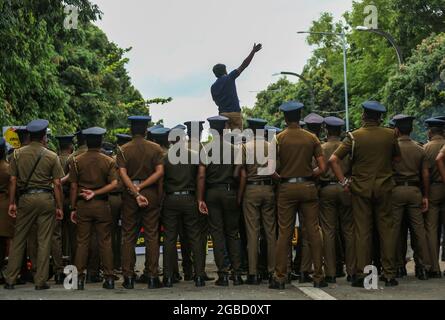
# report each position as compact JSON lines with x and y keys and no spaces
{"x":436,"y":203}
{"x":296,"y":149}
{"x":217,"y":189}
{"x":93,"y":269}
{"x":35,"y":176}
{"x":141,"y":168}
{"x":194,"y":133}
{"x":372,"y":150}
{"x":257,"y":195}
{"x":6,"y":222}
{"x":92,"y":177}
{"x":410,"y":196}
{"x":115,"y":199}
{"x":335,"y":207}
{"x":61,"y":234}
{"x":180,"y":209}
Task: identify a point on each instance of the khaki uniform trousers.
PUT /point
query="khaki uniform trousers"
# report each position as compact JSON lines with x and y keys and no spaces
{"x":224,"y":215}
{"x":301,"y":197}
{"x":133,"y":217}
{"x":365,"y":211}
{"x":116,"y":233}
{"x":435,"y":214}
{"x":259,"y":209}
{"x":33,"y":210}
{"x":180,"y":211}
{"x":335,"y":214}
{"x":94,"y":214}
{"x":235,"y":120}
{"x":407,"y":201}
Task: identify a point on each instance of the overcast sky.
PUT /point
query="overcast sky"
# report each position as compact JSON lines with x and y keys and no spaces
{"x":176,"y":43}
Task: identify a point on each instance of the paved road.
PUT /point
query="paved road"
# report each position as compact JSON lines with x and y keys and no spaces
{"x":410,"y":288}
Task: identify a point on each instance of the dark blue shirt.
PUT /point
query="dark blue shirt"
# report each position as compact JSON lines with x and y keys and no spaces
{"x":224,"y":93}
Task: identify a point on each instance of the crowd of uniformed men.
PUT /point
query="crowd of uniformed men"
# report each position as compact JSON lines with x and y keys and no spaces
{"x":357,"y":199}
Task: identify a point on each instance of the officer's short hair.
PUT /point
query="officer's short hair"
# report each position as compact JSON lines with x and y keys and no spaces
{"x":405,"y":128}
{"x":333,"y":131}
{"x":94,"y":141}
{"x":293,"y":116}
{"x":219,"y":70}
{"x":371,"y":115}
{"x":139,"y":128}
{"x":436,"y":130}
{"x":37,"y":136}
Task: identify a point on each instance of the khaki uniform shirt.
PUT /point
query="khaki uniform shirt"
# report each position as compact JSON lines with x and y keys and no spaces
{"x":47,"y":170}
{"x":432,"y":149}
{"x":372,"y":157}
{"x":4,"y":176}
{"x":140,"y":157}
{"x":93,"y":170}
{"x":329,"y":148}
{"x":252,"y":163}
{"x":296,"y":150}
{"x":412,"y":163}
{"x":180,"y":177}
{"x":219,"y":173}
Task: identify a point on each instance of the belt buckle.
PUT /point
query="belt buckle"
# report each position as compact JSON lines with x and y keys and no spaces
{"x":136,"y":182}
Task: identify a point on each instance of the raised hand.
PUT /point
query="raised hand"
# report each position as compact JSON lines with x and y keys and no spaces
{"x":257,"y":47}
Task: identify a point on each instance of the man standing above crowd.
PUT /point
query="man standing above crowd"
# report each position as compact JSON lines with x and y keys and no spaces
{"x":224,"y":90}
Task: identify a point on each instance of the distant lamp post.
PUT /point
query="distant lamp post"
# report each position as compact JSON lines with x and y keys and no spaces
{"x":342,"y":35}
{"x":388,"y":37}
{"x":306,"y":82}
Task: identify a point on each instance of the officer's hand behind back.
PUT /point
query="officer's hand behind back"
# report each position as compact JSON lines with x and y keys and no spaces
{"x":12,"y":211}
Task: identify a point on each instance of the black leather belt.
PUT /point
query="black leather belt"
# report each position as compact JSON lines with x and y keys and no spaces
{"x":296,"y":180}
{"x":115,"y":193}
{"x":226,"y":186}
{"x":181,"y":193}
{"x":260,"y":183}
{"x":328,"y":183}
{"x":36,"y":191}
{"x":407,"y":184}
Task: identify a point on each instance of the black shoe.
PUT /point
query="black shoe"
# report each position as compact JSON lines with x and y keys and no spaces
{"x":421,"y":274}
{"x":253,"y":279}
{"x":59,"y":277}
{"x":128,"y":283}
{"x":340,"y":273}
{"x":358,"y":283}
{"x":176,"y":277}
{"x":237,"y":280}
{"x":154,"y":283}
{"x":350,"y":278}
{"x":168,"y":282}
{"x":20,"y":281}
{"x":434,"y":274}
{"x":142,"y":279}
{"x":391,"y":283}
{"x":199,"y":282}
{"x":329,"y":279}
{"x":2,"y":281}
{"x":44,"y":286}
{"x":321,"y":284}
{"x":223,"y":281}
{"x":108,"y":283}
{"x":8,"y":286}
{"x":188,"y":277}
{"x":80,"y":284}
{"x":274,"y":284}
{"x":399,"y":272}
{"x":94,"y":278}
{"x":207,"y":278}
{"x":305,"y":277}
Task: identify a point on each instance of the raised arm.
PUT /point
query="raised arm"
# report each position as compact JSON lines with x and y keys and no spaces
{"x":248,"y":60}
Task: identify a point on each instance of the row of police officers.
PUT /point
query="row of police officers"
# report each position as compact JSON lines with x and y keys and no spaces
{"x":356,"y":201}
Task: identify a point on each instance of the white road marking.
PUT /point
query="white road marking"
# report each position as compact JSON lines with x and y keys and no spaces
{"x":314,"y":293}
